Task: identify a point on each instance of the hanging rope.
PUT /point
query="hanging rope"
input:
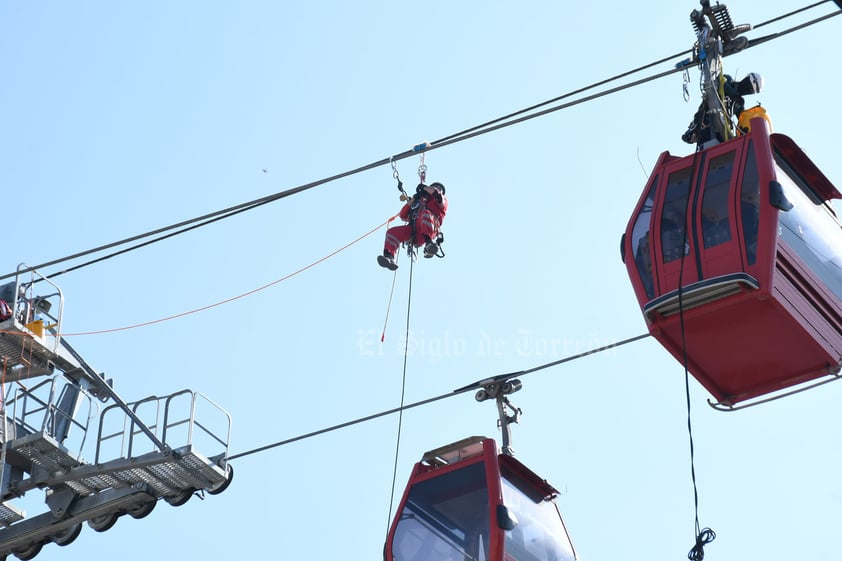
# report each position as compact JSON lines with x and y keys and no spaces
{"x":702,"y":539}
{"x":389,"y":305}
{"x":233,"y":298}
{"x":403,"y":396}
{"x":702,"y":536}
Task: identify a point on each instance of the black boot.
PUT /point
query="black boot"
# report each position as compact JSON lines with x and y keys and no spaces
{"x":387,"y":260}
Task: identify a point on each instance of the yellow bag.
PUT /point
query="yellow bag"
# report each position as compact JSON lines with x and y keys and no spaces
{"x":744,"y":122}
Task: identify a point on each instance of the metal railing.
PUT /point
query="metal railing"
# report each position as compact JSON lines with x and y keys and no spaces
{"x":169,"y":418}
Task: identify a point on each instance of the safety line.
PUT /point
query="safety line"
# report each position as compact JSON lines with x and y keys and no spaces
{"x":459,"y":391}
{"x":466,"y":134}
{"x":226,"y":301}
{"x":403,"y":394}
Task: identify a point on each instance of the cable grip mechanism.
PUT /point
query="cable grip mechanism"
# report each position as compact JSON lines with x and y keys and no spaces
{"x":508,"y":413}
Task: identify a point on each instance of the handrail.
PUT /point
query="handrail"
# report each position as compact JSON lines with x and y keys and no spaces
{"x":165,"y":407}
{"x":27,"y":304}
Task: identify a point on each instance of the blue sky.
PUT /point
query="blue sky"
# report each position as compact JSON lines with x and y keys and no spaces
{"x":119,"y":118}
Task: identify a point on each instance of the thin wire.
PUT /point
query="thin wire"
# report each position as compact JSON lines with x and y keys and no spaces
{"x":459,"y":391}
{"x":403,"y":397}
{"x":466,"y":134}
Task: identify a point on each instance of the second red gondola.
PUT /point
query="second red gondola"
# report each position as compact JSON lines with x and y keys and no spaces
{"x":468,"y":502}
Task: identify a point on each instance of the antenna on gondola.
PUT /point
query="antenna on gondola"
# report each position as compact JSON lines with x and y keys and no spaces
{"x":499,"y":390}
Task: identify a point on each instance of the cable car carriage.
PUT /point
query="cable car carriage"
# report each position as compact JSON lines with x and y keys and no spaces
{"x":469,"y":502}
{"x":735,"y":256}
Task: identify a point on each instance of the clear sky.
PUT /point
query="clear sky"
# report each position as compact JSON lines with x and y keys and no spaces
{"x":123,"y":117}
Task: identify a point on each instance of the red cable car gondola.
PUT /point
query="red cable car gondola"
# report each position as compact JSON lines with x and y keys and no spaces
{"x":735,"y":256}
{"x":468,"y":502}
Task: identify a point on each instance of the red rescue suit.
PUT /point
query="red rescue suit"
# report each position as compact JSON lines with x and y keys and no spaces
{"x":429,"y":214}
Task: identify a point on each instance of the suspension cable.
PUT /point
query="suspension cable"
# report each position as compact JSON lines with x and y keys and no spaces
{"x":466,"y":134}
{"x":455,"y":392}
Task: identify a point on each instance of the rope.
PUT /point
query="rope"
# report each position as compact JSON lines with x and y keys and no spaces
{"x":462,"y":390}
{"x":394,"y":279}
{"x":389,"y":305}
{"x":403,"y":396}
{"x":465,"y":134}
{"x":702,"y":537}
{"x":228,"y":300}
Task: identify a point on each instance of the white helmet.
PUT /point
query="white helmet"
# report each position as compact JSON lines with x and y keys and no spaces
{"x":751,"y":84}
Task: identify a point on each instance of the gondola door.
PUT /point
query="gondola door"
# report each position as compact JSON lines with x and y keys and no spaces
{"x":697,"y":221}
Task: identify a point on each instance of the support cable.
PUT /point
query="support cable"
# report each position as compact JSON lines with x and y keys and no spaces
{"x":470,"y":387}
{"x":790,"y":14}
{"x":466,"y":134}
{"x":779,"y":34}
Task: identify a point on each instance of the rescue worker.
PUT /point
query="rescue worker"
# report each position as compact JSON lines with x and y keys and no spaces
{"x":424,"y":212}
{"x":701,"y":130}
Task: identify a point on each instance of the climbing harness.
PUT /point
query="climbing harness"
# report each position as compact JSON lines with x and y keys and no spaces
{"x":432,"y":247}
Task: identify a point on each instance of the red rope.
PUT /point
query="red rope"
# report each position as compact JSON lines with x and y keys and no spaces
{"x":250,"y":292}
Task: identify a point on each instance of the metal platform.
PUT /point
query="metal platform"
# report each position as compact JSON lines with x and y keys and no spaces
{"x":27,"y":355}
{"x":9,"y":514}
{"x":101,"y":491}
{"x":138,"y":452}
{"x":167,"y":474}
